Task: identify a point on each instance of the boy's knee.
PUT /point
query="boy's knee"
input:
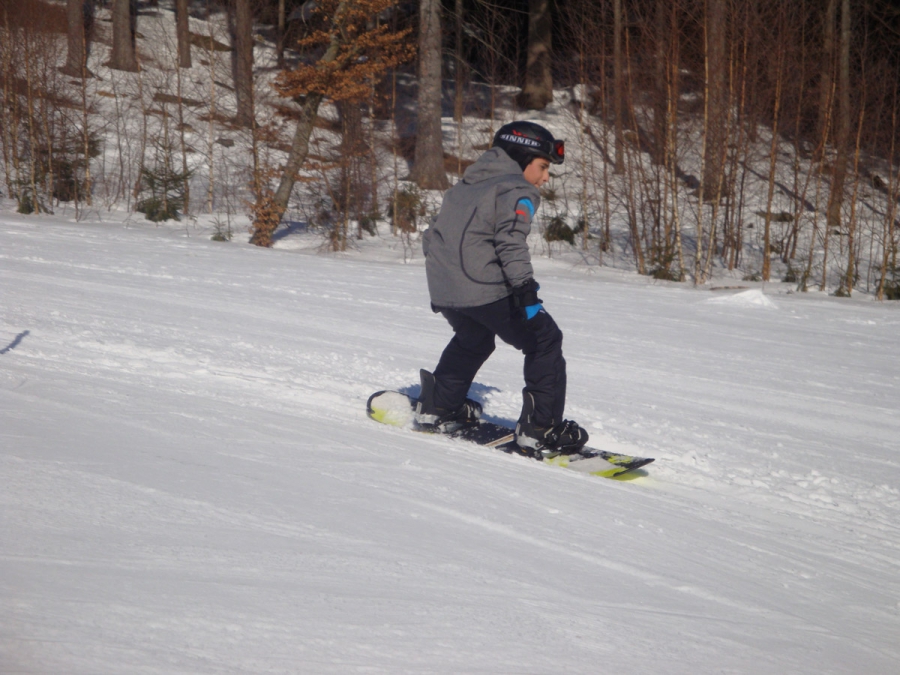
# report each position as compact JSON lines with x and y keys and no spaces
{"x":550,"y":336}
{"x":487,"y":347}
{"x":478,"y":346}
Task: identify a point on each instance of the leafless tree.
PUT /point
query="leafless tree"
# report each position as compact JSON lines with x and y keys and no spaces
{"x":538,"y":89}
{"x":829,"y":16}
{"x":357,"y":52}
{"x":124,"y":20}
{"x":79,"y":18}
{"x":619,"y":86}
{"x":842,"y":122}
{"x":716,"y":96}
{"x":242,"y":53}
{"x":279,"y":40}
{"x":428,"y":164}
{"x":183,"y":31}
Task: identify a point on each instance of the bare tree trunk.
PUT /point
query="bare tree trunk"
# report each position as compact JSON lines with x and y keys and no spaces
{"x":32,"y":119}
{"x":372,"y":162}
{"x":618,"y":88}
{"x":773,"y":163}
{"x":428,"y":163}
{"x":309,"y":108}
{"x":86,"y":138}
{"x":842,"y":128}
{"x":717,"y":95}
{"x":632,"y":211}
{"x":672,"y":97}
{"x":279,"y":46}
{"x":142,"y":155}
{"x":887,"y":233}
{"x":660,"y":95}
{"x":458,"y":103}
{"x":124,"y":55}
{"x":825,"y":79}
{"x":76,"y":52}
{"x":538,"y":89}
{"x":242,"y":47}
{"x":852,"y":242}
{"x":299,"y":151}
{"x":720,"y":95}
{"x":9,"y":138}
{"x":211,"y":129}
{"x":186,"y":185}
{"x":183,"y":31}
{"x":701,"y":190}
{"x":732,"y":237}
{"x":395,"y":139}
{"x":789,"y":251}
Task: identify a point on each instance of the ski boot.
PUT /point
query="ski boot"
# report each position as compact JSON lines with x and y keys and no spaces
{"x":565,"y":438}
{"x":432,"y":418}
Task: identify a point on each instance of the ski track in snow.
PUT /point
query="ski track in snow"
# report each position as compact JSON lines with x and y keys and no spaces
{"x":190,"y":483}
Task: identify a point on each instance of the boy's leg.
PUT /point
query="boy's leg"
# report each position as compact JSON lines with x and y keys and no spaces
{"x":545,"y":370}
{"x":540,"y":339}
{"x":470,"y":347}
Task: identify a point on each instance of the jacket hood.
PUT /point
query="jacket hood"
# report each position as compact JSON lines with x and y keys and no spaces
{"x":493,"y":163}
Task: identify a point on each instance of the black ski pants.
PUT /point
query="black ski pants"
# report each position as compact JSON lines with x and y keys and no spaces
{"x":475,"y":329}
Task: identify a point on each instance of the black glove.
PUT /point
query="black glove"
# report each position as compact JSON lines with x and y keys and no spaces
{"x":525,"y":298}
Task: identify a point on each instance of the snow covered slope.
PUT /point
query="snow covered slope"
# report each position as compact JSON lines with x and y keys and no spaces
{"x":189,"y":483}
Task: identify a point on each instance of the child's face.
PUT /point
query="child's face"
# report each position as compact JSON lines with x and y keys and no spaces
{"x":538,"y":172}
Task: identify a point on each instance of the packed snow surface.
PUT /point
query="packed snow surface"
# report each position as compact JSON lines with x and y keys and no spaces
{"x":189,"y":482}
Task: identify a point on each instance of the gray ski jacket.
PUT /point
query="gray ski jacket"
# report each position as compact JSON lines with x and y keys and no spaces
{"x":476,"y":250}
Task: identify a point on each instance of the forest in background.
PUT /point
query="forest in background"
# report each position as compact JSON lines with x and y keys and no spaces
{"x":704,"y":137}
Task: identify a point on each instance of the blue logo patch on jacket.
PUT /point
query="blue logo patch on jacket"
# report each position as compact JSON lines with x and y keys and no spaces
{"x":525,"y":207}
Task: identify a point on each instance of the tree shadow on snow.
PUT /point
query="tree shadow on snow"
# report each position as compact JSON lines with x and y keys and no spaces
{"x":290,"y":227}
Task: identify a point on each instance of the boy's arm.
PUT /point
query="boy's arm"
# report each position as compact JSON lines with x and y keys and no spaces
{"x":515,"y":212}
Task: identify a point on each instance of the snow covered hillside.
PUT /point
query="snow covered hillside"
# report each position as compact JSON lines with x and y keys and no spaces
{"x":145,"y":132}
{"x":189,"y":482}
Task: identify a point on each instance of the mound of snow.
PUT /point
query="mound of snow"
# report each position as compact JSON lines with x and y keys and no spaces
{"x":752,"y":298}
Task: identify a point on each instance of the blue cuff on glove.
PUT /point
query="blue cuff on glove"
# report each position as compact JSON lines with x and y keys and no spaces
{"x":532,"y":310}
{"x":524,"y":297}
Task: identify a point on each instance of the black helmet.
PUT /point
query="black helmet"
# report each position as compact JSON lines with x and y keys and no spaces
{"x":523,"y":141}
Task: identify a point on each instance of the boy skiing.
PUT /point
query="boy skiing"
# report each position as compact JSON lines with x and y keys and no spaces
{"x":481,"y":280}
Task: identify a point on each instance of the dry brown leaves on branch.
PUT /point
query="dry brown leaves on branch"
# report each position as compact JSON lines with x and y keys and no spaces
{"x":359,"y":51}
{"x":266,"y":217}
